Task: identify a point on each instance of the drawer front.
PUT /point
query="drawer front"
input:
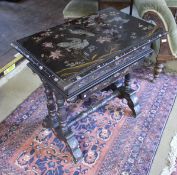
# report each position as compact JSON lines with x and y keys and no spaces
{"x":104,"y":83}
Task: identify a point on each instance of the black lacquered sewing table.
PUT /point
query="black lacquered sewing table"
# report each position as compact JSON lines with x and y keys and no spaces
{"x":82,"y":56}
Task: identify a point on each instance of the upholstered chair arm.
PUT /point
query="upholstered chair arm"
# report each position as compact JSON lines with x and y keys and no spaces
{"x":162,"y":12}
{"x":80,"y":8}
{"x":172,"y":4}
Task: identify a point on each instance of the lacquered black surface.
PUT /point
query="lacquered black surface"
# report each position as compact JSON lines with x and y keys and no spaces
{"x":79,"y":45}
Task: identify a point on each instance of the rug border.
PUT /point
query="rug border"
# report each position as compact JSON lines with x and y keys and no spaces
{"x":150,"y":166}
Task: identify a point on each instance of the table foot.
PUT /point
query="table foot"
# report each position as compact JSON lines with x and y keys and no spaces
{"x":71,"y":142}
{"x":64,"y":132}
{"x":57,"y":121}
{"x":132,"y":100}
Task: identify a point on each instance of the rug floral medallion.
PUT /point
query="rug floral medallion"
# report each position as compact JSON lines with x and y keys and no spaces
{"x":112,"y":140}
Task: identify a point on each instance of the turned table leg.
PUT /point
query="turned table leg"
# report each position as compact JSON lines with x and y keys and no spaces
{"x":130,"y":95}
{"x":64,"y":132}
{"x":57,"y":121}
{"x":51,"y":121}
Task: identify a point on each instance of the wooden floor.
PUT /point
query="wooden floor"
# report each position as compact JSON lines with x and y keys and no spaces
{"x":24,"y":18}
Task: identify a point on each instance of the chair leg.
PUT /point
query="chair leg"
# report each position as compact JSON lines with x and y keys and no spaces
{"x":158,"y":69}
{"x":131,"y":7}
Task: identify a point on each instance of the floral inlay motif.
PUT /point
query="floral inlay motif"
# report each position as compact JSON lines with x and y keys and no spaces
{"x":56,"y":36}
{"x":81,"y":32}
{"x":48,"y":44}
{"x":118,"y":19}
{"x":37,"y":38}
{"x":133,"y":35}
{"x":74,"y":43}
{"x":55,"y":55}
{"x":91,"y":48}
{"x":103,"y":39}
{"x":48,"y":33}
{"x":110,"y":31}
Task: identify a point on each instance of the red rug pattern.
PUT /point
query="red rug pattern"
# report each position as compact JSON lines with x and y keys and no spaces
{"x":113,"y":142}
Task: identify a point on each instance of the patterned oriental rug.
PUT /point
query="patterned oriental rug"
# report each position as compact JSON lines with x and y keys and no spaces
{"x":113,"y":142}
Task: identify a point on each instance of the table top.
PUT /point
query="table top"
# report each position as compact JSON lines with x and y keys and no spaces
{"x":78,"y":46}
